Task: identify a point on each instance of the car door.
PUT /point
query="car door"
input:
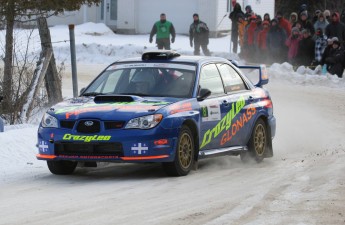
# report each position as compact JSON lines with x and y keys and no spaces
{"x":239,"y":118}
{"x":213,"y":108}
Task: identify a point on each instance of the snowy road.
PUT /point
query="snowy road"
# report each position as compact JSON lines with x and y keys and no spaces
{"x":304,"y":183}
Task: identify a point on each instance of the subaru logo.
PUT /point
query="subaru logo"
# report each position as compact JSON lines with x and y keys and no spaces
{"x":88,"y":123}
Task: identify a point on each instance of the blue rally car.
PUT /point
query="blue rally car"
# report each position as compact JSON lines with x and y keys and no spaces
{"x":162,"y":108}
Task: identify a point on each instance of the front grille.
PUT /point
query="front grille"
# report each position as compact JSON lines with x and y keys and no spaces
{"x":108,"y":125}
{"x":89,"y":126}
{"x":67,"y":124}
{"x":89,"y":149}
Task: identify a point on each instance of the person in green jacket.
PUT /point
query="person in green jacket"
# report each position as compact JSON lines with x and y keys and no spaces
{"x":163,"y":29}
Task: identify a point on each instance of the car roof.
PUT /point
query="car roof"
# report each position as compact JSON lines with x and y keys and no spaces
{"x":178,"y":59}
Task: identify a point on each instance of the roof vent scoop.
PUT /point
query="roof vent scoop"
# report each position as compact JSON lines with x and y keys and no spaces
{"x":160,"y":55}
{"x":115,"y":98}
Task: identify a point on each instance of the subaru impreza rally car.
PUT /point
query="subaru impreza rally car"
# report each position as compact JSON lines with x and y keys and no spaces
{"x":163,"y":108}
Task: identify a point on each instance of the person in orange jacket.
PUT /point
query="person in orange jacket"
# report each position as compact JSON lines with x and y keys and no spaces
{"x":262,"y":41}
{"x":241,"y":28}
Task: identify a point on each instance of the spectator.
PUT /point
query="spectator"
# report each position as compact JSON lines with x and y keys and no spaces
{"x":241,"y":31}
{"x":316,"y":15}
{"x":163,"y":29}
{"x":257,"y":30}
{"x":249,"y":37}
{"x":234,"y":16}
{"x":342,"y":16}
{"x":306,"y":49}
{"x":298,"y":24}
{"x":293,"y":19}
{"x":306,"y":24}
{"x":321,"y":23}
{"x":335,"y":59}
{"x":262,"y":40}
{"x":276,"y":41}
{"x":283,"y":23}
{"x":249,"y":12}
{"x":327,"y":50}
{"x":303,"y":8}
{"x":267,"y":17}
{"x":327,"y":15}
{"x":293,"y":44}
{"x":336,"y":28}
{"x":320,"y":45}
{"x":200,"y":33}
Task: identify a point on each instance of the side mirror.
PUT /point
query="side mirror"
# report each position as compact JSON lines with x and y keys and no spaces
{"x":203,"y":94}
{"x":81,"y":91}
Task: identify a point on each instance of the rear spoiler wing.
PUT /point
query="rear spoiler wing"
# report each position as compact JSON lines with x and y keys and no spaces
{"x":263,"y":75}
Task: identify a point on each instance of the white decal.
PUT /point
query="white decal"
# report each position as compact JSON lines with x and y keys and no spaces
{"x":43,"y":146}
{"x":139,"y":148}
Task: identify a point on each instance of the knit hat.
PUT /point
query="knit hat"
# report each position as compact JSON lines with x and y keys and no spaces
{"x":294,"y":29}
{"x":305,"y":31}
{"x":195,"y":14}
{"x":327,"y":13}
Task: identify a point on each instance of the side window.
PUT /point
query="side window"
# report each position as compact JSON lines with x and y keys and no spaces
{"x":210,"y":79}
{"x":112,"y":81}
{"x":232,"y":80}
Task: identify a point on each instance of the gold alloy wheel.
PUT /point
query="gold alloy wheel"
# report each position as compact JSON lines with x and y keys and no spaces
{"x":260,"y":139}
{"x":185,"y":150}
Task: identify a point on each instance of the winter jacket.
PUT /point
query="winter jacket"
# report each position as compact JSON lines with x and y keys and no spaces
{"x":284,"y":23}
{"x":199,"y":31}
{"x":249,"y":37}
{"x":276,"y":38}
{"x":335,"y":61}
{"x":320,"y":45}
{"x":321,"y":24}
{"x":306,"y":24}
{"x":262,"y":39}
{"x":241,"y":31}
{"x":163,"y":29}
{"x":292,"y":43}
{"x":336,"y":29}
{"x":306,"y":51}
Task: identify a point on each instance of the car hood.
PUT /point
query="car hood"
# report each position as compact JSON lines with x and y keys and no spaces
{"x":108,"y":107}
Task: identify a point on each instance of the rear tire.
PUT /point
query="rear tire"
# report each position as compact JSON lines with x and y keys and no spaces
{"x":184,"y":156}
{"x":61,"y":167}
{"x":258,"y":143}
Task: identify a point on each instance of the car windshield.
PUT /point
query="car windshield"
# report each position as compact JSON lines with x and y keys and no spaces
{"x":145,"y":79}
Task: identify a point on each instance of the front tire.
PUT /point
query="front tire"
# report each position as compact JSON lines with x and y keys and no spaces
{"x":258,"y":143}
{"x":184,"y":156}
{"x":61,"y":167}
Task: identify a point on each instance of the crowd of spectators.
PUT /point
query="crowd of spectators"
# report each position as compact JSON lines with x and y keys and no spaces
{"x":302,"y":39}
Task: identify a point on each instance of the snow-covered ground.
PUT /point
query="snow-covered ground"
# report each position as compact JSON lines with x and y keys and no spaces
{"x":304,"y":183}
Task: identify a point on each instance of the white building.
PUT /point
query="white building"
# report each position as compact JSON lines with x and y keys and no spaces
{"x":138,"y":16}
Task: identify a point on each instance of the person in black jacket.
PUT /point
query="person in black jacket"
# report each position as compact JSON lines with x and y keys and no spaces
{"x":335,"y":60}
{"x":199,"y":31}
{"x":306,"y":24}
{"x":336,"y":28}
{"x":306,"y":49}
{"x":276,"y":42}
{"x":233,"y":16}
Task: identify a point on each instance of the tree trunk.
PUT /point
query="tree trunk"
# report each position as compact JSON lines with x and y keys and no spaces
{"x":52,"y":79}
{"x":8,"y":61}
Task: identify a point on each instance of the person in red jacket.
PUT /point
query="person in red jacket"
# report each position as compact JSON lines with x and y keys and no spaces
{"x":249,"y":37}
{"x":283,"y":23}
{"x":262,"y":41}
{"x":293,"y":44}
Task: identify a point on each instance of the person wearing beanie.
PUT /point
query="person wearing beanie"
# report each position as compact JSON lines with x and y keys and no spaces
{"x":327,"y":15}
{"x":321,"y":23}
{"x":283,"y":23}
{"x":234,"y":16}
{"x":336,"y":28}
{"x":320,"y":45}
{"x":248,"y":12}
{"x":163,"y":29}
{"x":293,"y":44}
{"x":306,"y":49}
{"x":199,"y":32}
{"x":316,"y":15}
{"x":306,"y":24}
{"x":335,"y":59}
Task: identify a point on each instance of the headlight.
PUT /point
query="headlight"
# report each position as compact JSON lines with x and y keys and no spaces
{"x":49,"y":121}
{"x":144,"y":122}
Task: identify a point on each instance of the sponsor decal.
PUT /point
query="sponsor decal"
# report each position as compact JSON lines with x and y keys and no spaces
{"x":181,"y":108}
{"x":153,"y":65}
{"x":43,"y":146}
{"x":225,"y":123}
{"x":85,"y":138}
{"x":210,"y":112}
{"x":236,"y":126}
{"x":140,"y":149}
